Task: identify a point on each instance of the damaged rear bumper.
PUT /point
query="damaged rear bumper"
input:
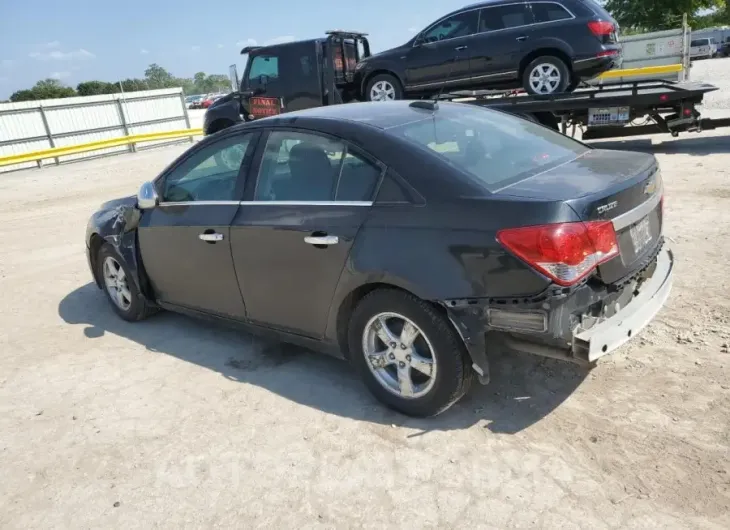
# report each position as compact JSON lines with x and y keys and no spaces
{"x":603,"y":338}
{"x":581,"y":326}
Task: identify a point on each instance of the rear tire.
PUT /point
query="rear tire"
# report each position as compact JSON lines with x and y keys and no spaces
{"x":383,"y":87}
{"x":423,"y":378}
{"x":120,"y":288}
{"x":546,"y":75}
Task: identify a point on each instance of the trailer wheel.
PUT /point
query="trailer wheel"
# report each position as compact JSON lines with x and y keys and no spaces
{"x":383,"y":87}
{"x":546,"y":75}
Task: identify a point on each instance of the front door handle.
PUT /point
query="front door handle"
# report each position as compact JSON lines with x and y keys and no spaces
{"x":522,"y":38}
{"x":461,"y":48}
{"x":322,"y":240}
{"x":210,"y":237}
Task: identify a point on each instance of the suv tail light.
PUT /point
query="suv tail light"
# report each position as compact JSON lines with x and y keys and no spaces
{"x":565,"y":252}
{"x":601,"y":28}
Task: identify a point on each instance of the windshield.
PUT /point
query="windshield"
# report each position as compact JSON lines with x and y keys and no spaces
{"x":495,"y":149}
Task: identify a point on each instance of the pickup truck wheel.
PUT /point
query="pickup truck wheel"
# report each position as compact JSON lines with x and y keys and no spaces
{"x":383,"y":87}
{"x":546,"y":75}
{"x":120,"y":289}
{"x":408,"y":353}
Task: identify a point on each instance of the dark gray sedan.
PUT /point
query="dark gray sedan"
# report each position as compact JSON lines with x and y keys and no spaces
{"x":412,"y":239}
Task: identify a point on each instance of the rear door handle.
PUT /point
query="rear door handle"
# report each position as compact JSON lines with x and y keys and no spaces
{"x":211,"y":237}
{"x":461,"y":48}
{"x":322,"y":240}
{"x":522,"y":38}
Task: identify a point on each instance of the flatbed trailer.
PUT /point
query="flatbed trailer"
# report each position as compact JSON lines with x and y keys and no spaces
{"x":609,"y":110}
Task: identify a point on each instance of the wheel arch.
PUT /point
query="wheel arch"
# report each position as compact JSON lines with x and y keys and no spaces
{"x":545,"y":51}
{"x":369,"y":76}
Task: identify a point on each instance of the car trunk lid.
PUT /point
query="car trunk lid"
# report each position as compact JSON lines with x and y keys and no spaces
{"x":601,"y":185}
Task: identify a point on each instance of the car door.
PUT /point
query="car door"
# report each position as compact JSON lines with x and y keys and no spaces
{"x":291,"y":240}
{"x":497,"y":48}
{"x":441,"y":53}
{"x":184,"y":241}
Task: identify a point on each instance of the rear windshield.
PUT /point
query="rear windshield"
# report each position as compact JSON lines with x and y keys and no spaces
{"x":699,"y":42}
{"x":495,"y":149}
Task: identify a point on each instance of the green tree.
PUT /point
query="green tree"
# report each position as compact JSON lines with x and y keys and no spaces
{"x":654,"y":15}
{"x":133,"y":85}
{"x":95,"y":88}
{"x":158,"y":77}
{"x":44,"y":89}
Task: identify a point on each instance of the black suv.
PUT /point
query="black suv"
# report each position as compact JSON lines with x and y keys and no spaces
{"x":544,"y":47}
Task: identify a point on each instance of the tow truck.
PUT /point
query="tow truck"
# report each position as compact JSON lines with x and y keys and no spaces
{"x":323,"y":71}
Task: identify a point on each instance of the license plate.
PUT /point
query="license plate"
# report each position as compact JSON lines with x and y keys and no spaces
{"x":640,"y":235}
{"x":608,"y":116}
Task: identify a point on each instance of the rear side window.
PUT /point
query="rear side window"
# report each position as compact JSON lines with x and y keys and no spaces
{"x":494,"y":148}
{"x":699,"y":42}
{"x":504,"y":17}
{"x":549,"y":12}
{"x":597,"y":9}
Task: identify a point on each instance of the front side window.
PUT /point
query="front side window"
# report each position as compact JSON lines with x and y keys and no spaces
{"x":211,"y":174}
{"x":459,"y":25}
{"x":504,"y":17}
{"x":549,"y":12}
{"x":267,"y":65}
{"x":307,"y":167}
{"x":495,"y":149}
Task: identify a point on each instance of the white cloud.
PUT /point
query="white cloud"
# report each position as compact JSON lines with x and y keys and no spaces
{"x":247,"y":42}
{"x":195,"y":48}
{"x":143,"y":51}
{"x":53,"y":44}
{"x":412,"y":30}
{"x":7,"y":63}
{"x":59,"y":75}
{"x":280,"y":40}
{"x":57,"y":55}
{"x":220,"y":46}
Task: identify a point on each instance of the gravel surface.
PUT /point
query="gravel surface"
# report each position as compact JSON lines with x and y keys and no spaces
{"x":716,"y":72}
{"x":173,"y":423}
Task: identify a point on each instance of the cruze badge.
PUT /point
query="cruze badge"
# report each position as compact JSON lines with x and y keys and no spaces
{"x":606,"y":207}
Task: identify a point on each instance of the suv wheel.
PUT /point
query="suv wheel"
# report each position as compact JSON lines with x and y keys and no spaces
{"x":546,"y":75}
{"x":383,"y":87}
{"x":408,"y":353}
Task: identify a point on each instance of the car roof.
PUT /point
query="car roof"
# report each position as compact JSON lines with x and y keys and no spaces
{"x":379,"y":114}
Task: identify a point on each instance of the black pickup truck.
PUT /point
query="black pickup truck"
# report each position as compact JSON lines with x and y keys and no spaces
{"x":323,"y":71}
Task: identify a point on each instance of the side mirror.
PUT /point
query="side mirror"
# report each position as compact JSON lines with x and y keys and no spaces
{"x":147,"y":197}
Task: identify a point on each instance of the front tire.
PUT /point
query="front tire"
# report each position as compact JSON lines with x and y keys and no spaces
{"x":120,"y":288}
{"x":383,"y":87}
{"x":408,"y":353}
{"x":546,"y":75}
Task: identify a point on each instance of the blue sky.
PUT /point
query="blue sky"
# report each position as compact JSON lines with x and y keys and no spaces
{"x":79,"y":40}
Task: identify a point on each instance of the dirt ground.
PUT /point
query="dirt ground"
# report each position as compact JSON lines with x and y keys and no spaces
{"x":177,"y":423}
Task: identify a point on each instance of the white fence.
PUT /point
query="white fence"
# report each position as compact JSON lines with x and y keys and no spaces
{"x":38,"y":125}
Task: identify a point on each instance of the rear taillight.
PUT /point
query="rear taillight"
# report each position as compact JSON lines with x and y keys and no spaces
{"x":565,"y":252}
{"x":607,"y":53}
{"x":601,"y":28}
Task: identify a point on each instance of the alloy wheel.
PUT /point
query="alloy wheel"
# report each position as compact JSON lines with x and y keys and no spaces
{"x":116,"y":284}
{"x":399,"y":355}
{"x":382,"y":91}
{"x":545,"y":78}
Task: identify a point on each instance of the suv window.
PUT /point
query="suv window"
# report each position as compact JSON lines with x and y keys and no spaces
{"x":459,"y":25}
{"x":211,"y":174}
{"x":504,"y":17}
{"x":307,"y":167}
{"x":549,"y":12}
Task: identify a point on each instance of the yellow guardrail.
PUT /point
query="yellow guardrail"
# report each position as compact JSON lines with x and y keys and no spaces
{"x":54,"y":152}
{"x":646,"y":70}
